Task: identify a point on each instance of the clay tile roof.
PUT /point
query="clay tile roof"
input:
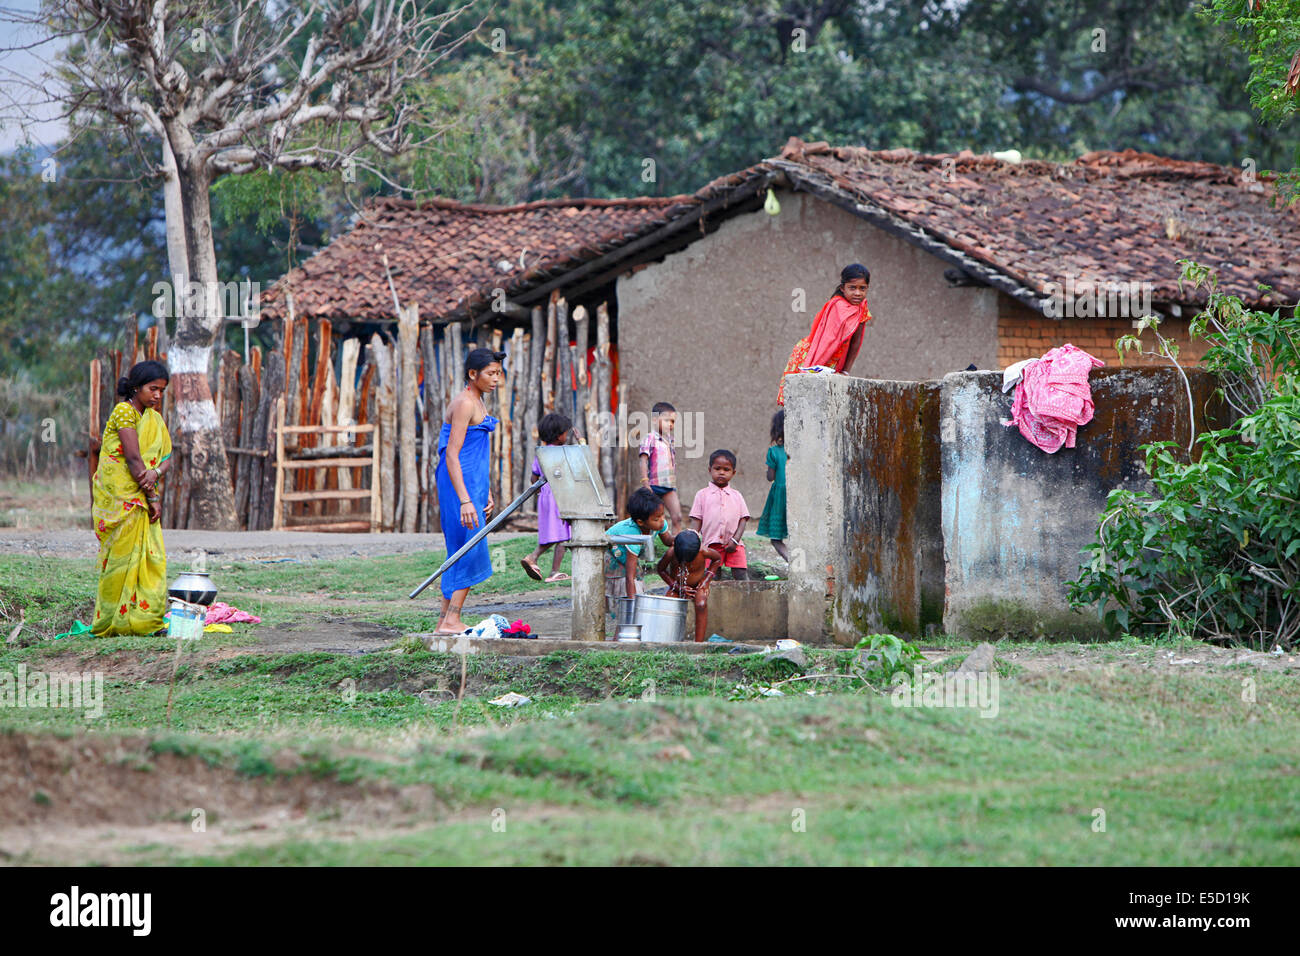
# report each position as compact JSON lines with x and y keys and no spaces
{"x":447,"y":255}
{"x":1108,"y":217}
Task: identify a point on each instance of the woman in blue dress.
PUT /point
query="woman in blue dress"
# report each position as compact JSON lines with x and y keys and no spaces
{"x":464,"y":489}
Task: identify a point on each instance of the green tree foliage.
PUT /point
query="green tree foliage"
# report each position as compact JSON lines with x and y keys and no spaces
{"x":707,"y":88}
{"x":1270,"y":35}
{"x":574,"y":97}
{"x":81,"y":246}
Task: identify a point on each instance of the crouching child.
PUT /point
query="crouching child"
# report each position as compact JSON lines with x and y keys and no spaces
{"x":645,"y":517}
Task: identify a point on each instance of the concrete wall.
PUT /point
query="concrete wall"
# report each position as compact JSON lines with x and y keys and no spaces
{"x":911,"y":505}
{"x":1015,"y":519}
{"x":864,"y":493}
{"x":745,"y":611}
{"x":710,"y":328}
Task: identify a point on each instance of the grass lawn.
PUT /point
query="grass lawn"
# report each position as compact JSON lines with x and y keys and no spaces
{"x":642,"y":758}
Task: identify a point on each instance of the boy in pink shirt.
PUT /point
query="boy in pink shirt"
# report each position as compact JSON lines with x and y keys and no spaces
{"x":719,"y":514}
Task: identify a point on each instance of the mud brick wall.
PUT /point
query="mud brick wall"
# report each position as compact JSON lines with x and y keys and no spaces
{"x":1015,"y":518}
{"x":864,"y":507}
{"x":1024,"y":333}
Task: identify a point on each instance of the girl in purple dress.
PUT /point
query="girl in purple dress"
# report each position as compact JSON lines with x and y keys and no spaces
{"x":553,"y":429}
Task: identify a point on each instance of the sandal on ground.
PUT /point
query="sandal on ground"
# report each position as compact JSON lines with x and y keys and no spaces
{"x":451,"y":633}
{"x":557,"y":577}
{"x":530,"y":569}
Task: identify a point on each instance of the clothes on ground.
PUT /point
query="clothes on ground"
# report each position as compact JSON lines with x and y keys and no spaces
{"x":476,"y":566}
{"x":491,"y":626}
{"x":223,"y":613}
{"x":76,"y":631}
{"x":551,"y":528}
{"x":771,"y":523}
{"x":662,"y":467}
{"x":1054,"y":398}
{"x":828,"y":342}
{"x":720,"y":511}
{"x":518,"y":629}
{"x":132,"y":593}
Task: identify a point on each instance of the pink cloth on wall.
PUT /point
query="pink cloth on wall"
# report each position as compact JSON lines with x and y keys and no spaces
{"x":1054,"y":398}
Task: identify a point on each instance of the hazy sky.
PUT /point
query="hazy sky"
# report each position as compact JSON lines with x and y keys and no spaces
{"x":15,"y":97}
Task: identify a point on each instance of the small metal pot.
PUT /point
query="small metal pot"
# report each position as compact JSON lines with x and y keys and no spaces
{"x":195,"y":587}
{"x":629,"y":632}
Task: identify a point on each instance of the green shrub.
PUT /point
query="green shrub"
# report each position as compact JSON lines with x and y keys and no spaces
{"x":1214,"y":550}
{"x":883,"y":656}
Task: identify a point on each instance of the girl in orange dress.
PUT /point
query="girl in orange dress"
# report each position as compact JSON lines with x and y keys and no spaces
{"x":836,"y":334}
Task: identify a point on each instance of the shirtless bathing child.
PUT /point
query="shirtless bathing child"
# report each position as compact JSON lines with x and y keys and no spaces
{"x":688,"y":570}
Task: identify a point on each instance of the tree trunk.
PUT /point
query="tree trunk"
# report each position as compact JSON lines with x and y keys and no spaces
{"x":386,"y":416}
{"x":247,"y":423}
{"x":347,"y":410}
{"x":408,"y":331}
{"x":548,"y":359}
{"x":602,"y":382}
{"x":177,"y":256}
{"x":581,"y":405}
{"x":534,"y":397}
{"x":432,"y":427}
{"x":519,"y":342}
{"x":564,"y":365}
{"x":262,"y":499}
{"x":198,"y":431}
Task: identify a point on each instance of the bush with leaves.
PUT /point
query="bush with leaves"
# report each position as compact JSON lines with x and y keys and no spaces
{"x":883,"y":656}
{"x":1213,"y":552}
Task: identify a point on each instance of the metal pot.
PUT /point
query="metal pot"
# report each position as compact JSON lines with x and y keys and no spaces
{"x":662,"y":619}
{"x":625,"y":608}
{"x":629,"y":632}
{"x":195,"y":587}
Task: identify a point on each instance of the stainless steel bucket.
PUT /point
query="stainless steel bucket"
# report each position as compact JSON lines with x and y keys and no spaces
{"x":662,"y":619}
{"x":624,"y":611}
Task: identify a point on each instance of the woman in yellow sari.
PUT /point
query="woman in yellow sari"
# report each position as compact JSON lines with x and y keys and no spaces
{"x":134,"y":455}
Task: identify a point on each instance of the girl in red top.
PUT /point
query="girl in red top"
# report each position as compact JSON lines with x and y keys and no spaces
{"x":836,"y":335}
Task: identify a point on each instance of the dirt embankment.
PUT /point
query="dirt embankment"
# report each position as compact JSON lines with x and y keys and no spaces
{"x":85,"y":780}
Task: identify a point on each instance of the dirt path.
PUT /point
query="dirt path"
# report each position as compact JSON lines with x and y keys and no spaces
{"x":350,"y":626}
{"x":237,"y":545}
